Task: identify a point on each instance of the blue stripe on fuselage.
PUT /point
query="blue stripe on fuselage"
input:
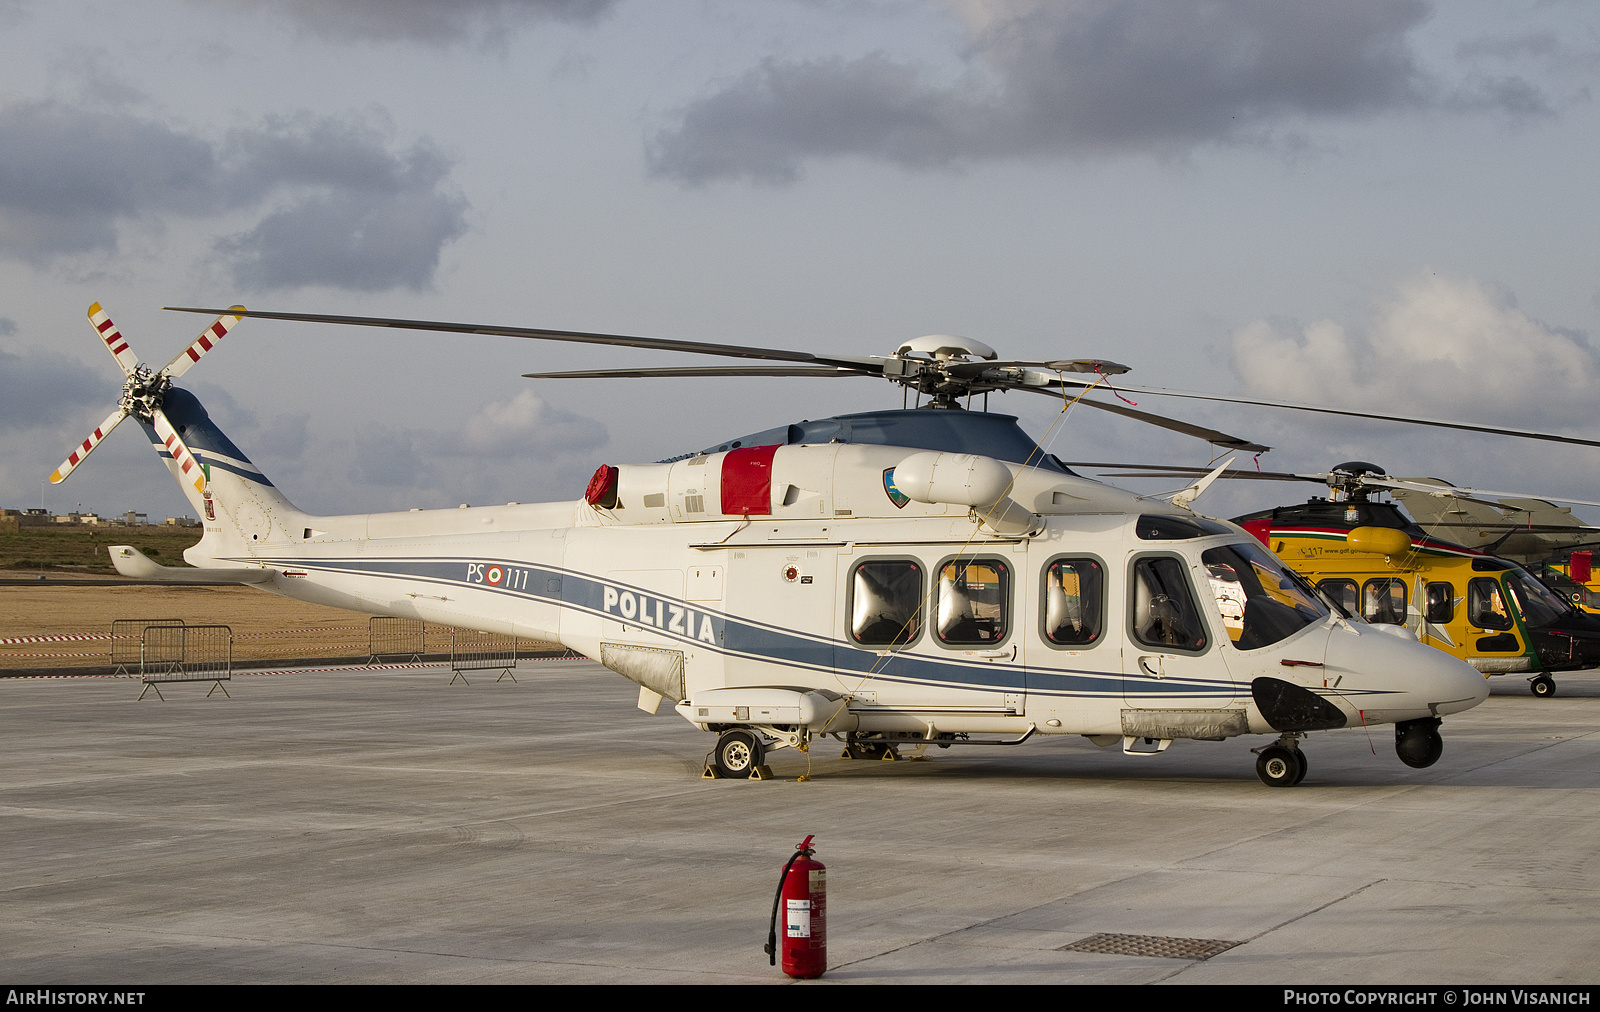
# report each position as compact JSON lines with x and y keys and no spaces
{"x":747,"y":638}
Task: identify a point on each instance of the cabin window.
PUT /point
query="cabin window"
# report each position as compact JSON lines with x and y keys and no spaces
{"x":1486,"y":605}
{"x":1384,"y":600}
{"x":974,"y":600}
{"x":1344,"y":593}
{"x":886,"y":602}
{"x":1261,"y":601}
{"x":1441,"y":602}
{"x":1164,"y":612}
{"x":1073,"y":592}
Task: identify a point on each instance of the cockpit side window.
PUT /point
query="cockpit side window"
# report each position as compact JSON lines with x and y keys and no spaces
{"x":1164,"y":612}
{"x":974,"y":602}
{"x":1074,"y":590}
{"x":1486,"y":605}
{"x":886,"y":602}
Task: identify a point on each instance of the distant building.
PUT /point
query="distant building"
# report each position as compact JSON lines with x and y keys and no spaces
{"x":182,"y":522}
{"x":132,"y":519}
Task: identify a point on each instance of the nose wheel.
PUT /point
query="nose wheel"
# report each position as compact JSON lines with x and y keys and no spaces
{"x":1281,"y":765}
{"x":1544,"y":686}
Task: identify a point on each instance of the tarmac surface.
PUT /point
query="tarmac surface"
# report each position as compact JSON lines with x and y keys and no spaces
{"x":385,"y":827}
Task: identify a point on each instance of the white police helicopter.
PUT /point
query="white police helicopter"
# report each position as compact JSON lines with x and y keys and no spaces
{"x":896,"y":579}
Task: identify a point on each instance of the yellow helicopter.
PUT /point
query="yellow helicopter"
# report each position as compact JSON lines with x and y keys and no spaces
{"x":1369,"y":558}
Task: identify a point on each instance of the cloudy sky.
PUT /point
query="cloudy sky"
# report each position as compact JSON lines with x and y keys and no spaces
{"x":1371,"y":203}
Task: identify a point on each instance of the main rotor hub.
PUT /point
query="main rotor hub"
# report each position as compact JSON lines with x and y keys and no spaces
{"x":144,"y":391}
{"x":1347,"y":478}
{"x":941,"y":347}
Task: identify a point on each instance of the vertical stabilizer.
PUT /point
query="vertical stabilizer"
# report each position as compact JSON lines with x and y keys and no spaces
{"x":240,"y":508}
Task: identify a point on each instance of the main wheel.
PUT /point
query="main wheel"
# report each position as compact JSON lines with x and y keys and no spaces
{"x":1300,"y":759}
{"x":1279,"y":767}
{"x":1544,"y":686}
{"x":738,"y":754}
{"x":1419,"y":747}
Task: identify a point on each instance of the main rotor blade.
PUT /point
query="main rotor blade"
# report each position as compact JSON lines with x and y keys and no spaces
{"x":1497,"y":430}
{"x":189,"y":469}
{"x":205,"y":342}
{"x":77,"y":456}
{"x":1184,"y":471}
{"x":1209,"y":435}
{"x":1465,"y":492}
{"x":1091,"y":365}
{"x":709,"y":370}
{"x":127,"y":361}
{"x":573,"y":336}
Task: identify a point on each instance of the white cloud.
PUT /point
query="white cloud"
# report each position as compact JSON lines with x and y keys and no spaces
{"x":1439,"y":347}
{"x":525,"y":426}
{"x":1081,"y":78}
{"x":347,"y":210}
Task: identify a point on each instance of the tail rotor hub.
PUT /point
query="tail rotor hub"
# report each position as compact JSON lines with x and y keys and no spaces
{"x":144,"y":391}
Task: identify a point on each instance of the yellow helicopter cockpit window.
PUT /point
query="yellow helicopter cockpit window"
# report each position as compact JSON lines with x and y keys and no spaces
{"x":1261,"y":601}
{"x":1486,"y":604}
{"x":886,"y":602}
{"x":1073,"y":590}
{"x":973,"y":598}
{"x":1538,"y":604}
{"x":1344,"y":593}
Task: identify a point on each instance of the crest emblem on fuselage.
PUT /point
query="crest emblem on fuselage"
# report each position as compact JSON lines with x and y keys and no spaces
{"x":896,"y":496}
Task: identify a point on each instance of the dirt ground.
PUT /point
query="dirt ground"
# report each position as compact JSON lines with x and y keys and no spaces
{"x":265,"y":627}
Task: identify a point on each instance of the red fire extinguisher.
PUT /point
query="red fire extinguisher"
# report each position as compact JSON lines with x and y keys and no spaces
{"x":803,"y":898}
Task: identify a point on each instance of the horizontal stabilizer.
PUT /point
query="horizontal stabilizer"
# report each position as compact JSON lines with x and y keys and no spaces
{"x":132,"y":562}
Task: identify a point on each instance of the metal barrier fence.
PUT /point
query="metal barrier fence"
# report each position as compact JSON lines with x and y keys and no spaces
{"x":185,"y":653}
{"x":127,"y":641}
{"x":471,"y":650}
{"x":397,"y":640}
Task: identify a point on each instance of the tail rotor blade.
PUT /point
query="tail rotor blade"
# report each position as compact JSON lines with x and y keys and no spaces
{"x":189,"y":469}
{"x":76,"y":456}
{"x":115,"y":343}
{"x":205,"y":342}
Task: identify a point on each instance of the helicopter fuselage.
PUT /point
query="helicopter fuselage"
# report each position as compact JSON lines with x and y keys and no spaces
{"x":857,"y":590}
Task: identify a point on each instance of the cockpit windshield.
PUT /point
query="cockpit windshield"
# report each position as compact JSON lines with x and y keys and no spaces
{"x":1261,"y":601}
{"x":1540,"y":606}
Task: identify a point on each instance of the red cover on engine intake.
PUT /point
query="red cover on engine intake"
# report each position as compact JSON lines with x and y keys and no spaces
{"x":747,"y":481}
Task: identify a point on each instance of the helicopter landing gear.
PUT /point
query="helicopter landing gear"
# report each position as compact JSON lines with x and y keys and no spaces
{"x":1281,"y":764}
{"x":1417,"y":742}
{"x":1543,"y":686}
{"x":738,"y":756}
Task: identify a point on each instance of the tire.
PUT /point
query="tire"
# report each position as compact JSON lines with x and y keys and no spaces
{"x":1300,"y":758}
{"x":1544,"y":686}
{"x":1278,"y":766}
{"x":738,"y":753}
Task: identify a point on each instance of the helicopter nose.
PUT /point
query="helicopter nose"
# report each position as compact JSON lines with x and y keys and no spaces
{"x":1398,"y":678}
